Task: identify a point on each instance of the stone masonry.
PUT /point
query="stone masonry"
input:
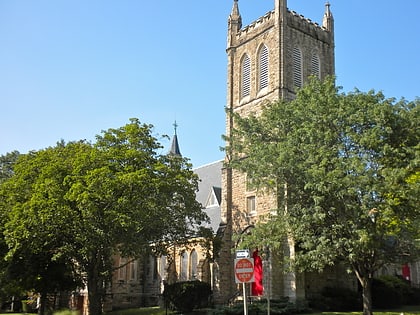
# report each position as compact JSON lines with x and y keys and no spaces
{"x":281,"y":32}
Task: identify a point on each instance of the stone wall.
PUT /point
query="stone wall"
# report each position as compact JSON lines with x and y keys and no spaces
{"x":280,"y":31}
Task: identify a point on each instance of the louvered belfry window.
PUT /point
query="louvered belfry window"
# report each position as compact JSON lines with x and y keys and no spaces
{"x":246,"y":76}
{"x":297,"y":67}
{"x":263,"y":67}
{"x":315,"y":66}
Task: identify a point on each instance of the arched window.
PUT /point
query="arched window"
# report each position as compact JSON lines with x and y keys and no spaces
{"x":193,"y":264}
{"x":184,"y":267}
{"x":245,"y":76}
{"x":297,"y":67}
{"x":163,"y":268}
{"x":122,"y":271}
{"x":315,"y":65}
{"x":133,"y":269}
{"x":151,"y":269}
{"x":263,"y":67}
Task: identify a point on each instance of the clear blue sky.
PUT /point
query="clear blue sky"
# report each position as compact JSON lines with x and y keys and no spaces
{"x":71,"y":68}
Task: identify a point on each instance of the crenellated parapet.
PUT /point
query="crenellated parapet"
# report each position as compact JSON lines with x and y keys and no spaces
{"x":261,"y":23}
{"x":294,"y":20}
{"x":307,"y":26}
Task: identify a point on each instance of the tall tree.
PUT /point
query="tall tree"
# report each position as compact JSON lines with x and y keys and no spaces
{"x":33,"y":225}
{"x":8,"y":287}
{"x":88,"y":201}
{"x":345,"y":166}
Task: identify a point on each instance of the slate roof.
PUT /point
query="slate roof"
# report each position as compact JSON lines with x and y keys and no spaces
{"x":175,"y":146}
{"x":210,"y":183}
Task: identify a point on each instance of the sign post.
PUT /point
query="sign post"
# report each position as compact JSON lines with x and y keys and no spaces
{"x":244,"y":273}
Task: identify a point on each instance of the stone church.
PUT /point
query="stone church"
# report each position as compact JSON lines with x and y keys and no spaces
{"x":267,"y":60}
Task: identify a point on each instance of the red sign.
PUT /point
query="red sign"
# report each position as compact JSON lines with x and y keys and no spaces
{"x":244,"y":270}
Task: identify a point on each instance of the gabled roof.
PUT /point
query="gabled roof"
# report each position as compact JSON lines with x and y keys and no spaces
{"x":210,"y":184}
{"x":210,"y":176}
{"x":215,"y":195}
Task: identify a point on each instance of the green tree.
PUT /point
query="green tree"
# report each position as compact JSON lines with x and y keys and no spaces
{"x":41,"y":272}
{"x":345,"y":169}
{"x":6,"y":164}
{"x":8,"y":287}
{"x":87,"y":202}
{"x":30,"y":199}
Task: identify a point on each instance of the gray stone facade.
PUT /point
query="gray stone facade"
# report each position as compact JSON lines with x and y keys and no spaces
{"x":290,"y":48}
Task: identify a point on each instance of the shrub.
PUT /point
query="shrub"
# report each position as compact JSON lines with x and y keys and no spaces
{"x":188,"y":295}
{"x":389,"y":292}
{"x":413,"y":296}
{"x":337,"y":299}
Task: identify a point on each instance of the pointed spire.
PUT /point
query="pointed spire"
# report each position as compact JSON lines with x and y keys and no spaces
{"x":235,"y":16}
{"x":234,"y":24}
{"x":175,"y":146}
{"x":328,"y":20}
{"x":235,"y":10}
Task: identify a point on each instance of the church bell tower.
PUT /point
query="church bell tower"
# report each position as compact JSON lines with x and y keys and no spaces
{"x":267,"y":60}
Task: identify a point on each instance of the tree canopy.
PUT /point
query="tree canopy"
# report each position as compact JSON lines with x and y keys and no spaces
{"x":348,"y":165}
{"x":6,"y":165}
{"x":87,"y":201}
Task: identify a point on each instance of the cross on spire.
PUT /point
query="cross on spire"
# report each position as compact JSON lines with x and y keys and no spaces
{"x":175,"y":146}
{"x":175,"y":126}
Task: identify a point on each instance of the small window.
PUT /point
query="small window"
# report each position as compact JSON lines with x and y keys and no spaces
{"x":315,"y":65}
{"x":263,"y":67}
{"x":250,"y":205}
{"x":297,"y":67}
{"x":245,"y":76}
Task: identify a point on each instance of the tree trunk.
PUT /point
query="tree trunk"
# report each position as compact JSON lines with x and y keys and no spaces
{"x":366,"y":283}
{"x":42,"y":303}
{"x":95,"y":290}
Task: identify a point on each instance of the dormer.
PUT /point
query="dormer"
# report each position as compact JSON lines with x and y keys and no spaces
{"x":214,"y":197}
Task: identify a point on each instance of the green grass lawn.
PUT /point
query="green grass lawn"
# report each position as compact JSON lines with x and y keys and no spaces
{"x":408,"y":310}
{"x":141,"y":311}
